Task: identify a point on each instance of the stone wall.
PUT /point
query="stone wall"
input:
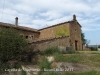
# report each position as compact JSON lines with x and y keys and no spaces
{"x":47,"y":43}
{"x":74,"y":32}
{"x":75,"y":35}
{"x":30,"y":36}
{"x":52,"y":30}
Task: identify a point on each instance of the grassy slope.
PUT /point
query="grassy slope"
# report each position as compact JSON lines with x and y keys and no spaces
{"x":89,"y":58}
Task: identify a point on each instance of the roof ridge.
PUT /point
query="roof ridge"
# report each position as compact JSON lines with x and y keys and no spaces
{"x":18,"y":27}
{"x":47,"y":39}
{"x":56,"y":25}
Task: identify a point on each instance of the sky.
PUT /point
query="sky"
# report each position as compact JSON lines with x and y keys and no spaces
{"x":43,"y":13}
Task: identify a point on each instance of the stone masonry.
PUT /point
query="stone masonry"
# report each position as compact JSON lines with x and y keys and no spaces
{"x":70,"y":29}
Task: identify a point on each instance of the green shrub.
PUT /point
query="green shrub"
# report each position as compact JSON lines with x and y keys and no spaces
{"x":59,"y":57}
{"x":71,"y":51}
{"x":24,"y":72}
{"x":11,"y":44}
{"x":43,"y":64}
{"x":51,"y":51}
{"x":93,"y":49}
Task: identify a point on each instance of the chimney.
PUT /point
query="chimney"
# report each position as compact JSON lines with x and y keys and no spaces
{"x":74,"y":17}
{"x":16,"y":21}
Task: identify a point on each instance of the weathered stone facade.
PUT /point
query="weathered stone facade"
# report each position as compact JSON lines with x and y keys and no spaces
{"x":29,"y":33}
{"x":50,"y":32}
{"x":53,"y":42}
{"x":39,"y":38}
{"x":75,"y":35}
{"x":73,"y":30}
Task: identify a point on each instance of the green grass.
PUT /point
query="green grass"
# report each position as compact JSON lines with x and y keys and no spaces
{"x":88,"y":52}
{"x":71,"y":52}
{"x":51,"y":73}
{"x":95,"y":60}
{"x":43,"y":64}
{"x":67,"y":58}
{"x":24,"y":72}
{"x":71,"y":73}
{"x":84,"y":73}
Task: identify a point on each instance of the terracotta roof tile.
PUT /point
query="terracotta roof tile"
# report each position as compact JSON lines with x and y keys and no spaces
{"x":46,"y":39}
{"x":58,"y":24}
{"x":18,"y":27}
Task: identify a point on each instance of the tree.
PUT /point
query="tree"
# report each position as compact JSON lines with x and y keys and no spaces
{"x":11,"y":44}
{"x":83,"y":38}
{"x":87,"y":42}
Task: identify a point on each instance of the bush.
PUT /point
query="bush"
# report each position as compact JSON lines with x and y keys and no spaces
{"x":51,"y":51}
{"x":93,"y":49}
{"x":43,"y":64}
{"x":59,"y":57}
{"x":24,"y":72}
{"x":12,"y":45}
{"x":71,"y":51}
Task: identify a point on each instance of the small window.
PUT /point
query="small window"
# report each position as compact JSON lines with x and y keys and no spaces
{"x":75,"y":29}
{"x":32,"y":37}
{"x":7,"y":27}
{"x":26,"y":37}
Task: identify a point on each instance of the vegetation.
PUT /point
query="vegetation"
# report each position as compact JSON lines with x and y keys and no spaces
{"x":93,"y":49}
{"x":99,"y":46}
{"x":44,"y":64}
{"x":71,"y":51}
{"x":68,"y":58}
{"x":85,"y":41}
{"x":84,"y":73}
{"x":24,"y":72}
{"x":62,"y":31}
{"x":90,"y":58}
{"x":12,"y":45}
{"x":51,"y":73}
{"x":71,"y":73}
{"x":83,"y":38}
{"x":51,"y":51}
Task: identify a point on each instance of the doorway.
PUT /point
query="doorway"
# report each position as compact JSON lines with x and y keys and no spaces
{"x":76,"y":48}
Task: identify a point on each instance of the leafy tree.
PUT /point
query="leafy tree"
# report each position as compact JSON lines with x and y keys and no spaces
{"x":11,"y":44}
{"x":83,"y":38}
{"x":99,"y":46}
{"x":85,"y":41}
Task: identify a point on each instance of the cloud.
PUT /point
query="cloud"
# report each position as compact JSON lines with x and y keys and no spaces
{"x":43,"y":13}
{"x":40,"y":13}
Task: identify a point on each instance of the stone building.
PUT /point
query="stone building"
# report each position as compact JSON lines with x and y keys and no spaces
{"x":71,"y":28}
{"x":29,"y":33}
{"x":63,"y":34}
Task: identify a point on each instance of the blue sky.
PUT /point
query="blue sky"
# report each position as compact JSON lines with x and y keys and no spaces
{"x":42,"y":13}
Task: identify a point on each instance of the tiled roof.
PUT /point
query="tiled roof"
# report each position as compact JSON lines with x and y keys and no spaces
{"x":46,"y":39}
{"x":58,"y":24}
{"x":18,"y":27}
